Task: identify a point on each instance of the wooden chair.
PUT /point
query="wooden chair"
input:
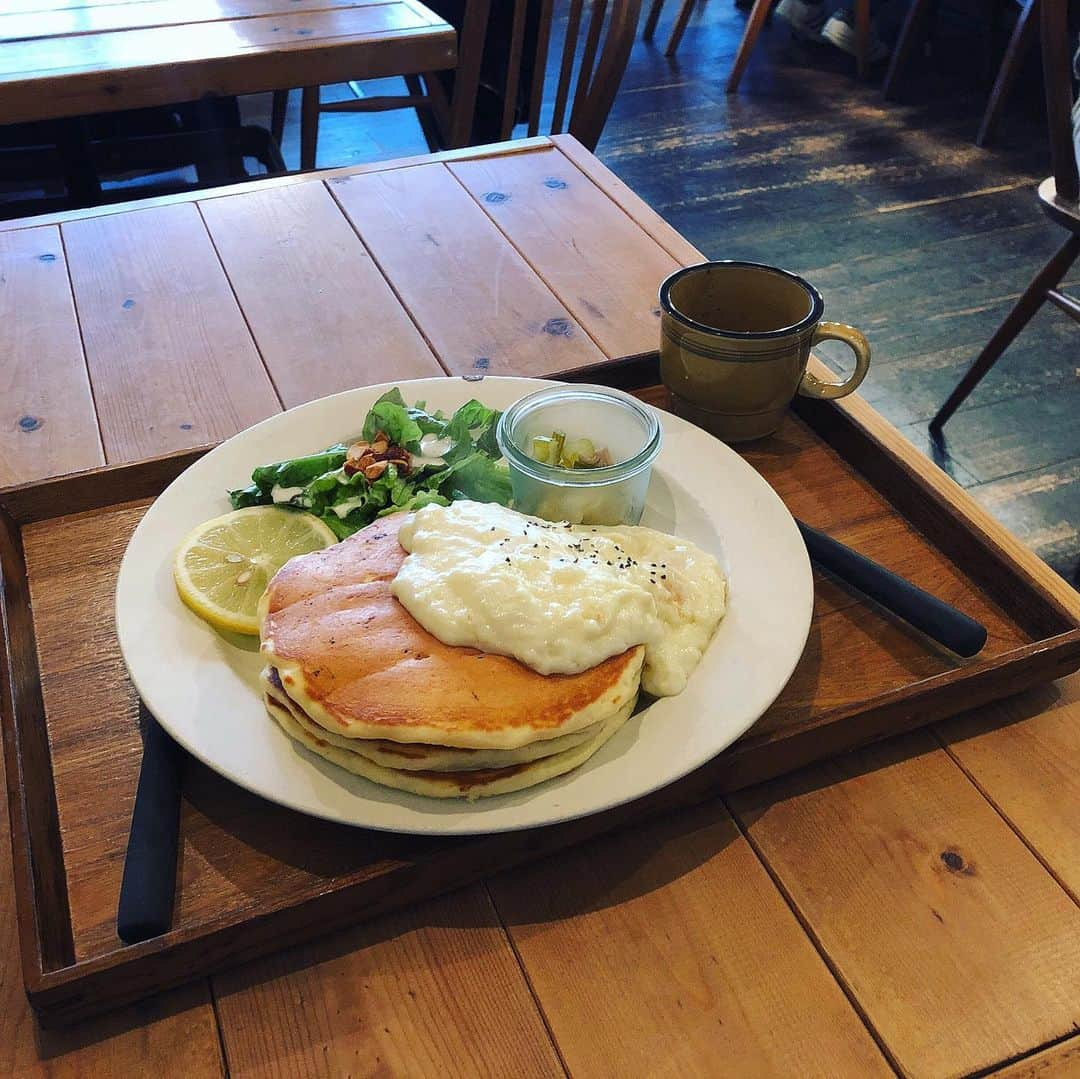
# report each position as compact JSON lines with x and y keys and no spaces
{"x":756,"y":20}
{"x":1023,"y":37}
{"x":681,"y":19}
{"x":1059,"y":196}
{"x":588,"y":78}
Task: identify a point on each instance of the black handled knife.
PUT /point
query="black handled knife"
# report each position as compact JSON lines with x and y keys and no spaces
{"x":149,"y":883}
{"x":937,"y":619}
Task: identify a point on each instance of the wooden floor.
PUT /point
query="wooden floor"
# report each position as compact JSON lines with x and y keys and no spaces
{"x":909,"y":230}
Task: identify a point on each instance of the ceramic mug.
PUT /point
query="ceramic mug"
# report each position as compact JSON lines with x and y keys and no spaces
{"x":735,"y":338}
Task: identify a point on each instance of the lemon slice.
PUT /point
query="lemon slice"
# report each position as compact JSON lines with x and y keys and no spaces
{"x":224,"y":565}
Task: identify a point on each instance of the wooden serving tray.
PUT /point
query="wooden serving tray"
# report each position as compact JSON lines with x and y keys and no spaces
{"x":254,"y":877}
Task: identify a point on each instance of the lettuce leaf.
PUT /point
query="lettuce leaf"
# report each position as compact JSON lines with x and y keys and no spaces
{"x":473,"y":468}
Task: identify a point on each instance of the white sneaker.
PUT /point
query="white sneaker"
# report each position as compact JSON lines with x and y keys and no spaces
{"x":805,"y":19}
{"x":840,"y":31}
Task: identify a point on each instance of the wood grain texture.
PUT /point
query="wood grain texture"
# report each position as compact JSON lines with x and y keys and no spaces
{"x":960,"y":948}
{"x":672,"y":241}
{"x":1022,"y":754}
{"x":597,"y":261}
{"x":322,"y":315}
{"x":149,"y":1038}
{"x":25,"y":22}
{"x":52,"y":76}
{"x":47,"y":420}
{"x":693,"y":963}
{"x":1058,"y":1062}
{"x":434,"y":991}
{"x":481,"y":307}
{"x":171,"y":360}
{"x":497,"y":149}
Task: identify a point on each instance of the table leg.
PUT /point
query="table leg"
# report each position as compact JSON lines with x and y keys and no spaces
{"x":309,"y":126}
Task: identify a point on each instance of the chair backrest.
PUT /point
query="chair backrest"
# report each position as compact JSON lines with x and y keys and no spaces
{"x":1057,"y":75}
{"x":595,"y":49}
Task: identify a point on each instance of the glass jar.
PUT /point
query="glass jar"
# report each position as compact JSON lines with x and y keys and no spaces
{"x":610,"y":495}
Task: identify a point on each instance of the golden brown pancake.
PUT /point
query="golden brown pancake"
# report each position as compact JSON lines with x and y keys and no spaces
{"x":356,"y":662}
{"x":419,"y":757}
{"x":475,"y":784}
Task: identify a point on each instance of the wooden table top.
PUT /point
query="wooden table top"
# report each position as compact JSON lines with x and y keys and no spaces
{"x":907,"y":908}
{"x":67,"y":57}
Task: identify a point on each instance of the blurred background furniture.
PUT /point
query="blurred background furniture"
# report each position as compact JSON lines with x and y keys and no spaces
{"x":1059,"y":197}
{"x":686,"y":8}
{"x":60,"y":61}
{"x":54,"y":165}
{"x":499,"y":82}
{"x":913,"y":33}
{"x":759,"y":14}
{"x":756,"y":20}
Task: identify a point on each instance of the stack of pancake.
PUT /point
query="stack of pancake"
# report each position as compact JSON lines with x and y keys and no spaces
{"x":354,"y":678}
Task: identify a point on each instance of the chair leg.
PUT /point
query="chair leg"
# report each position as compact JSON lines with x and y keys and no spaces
{"x":680,"y":27}
{"x":1023,"y":37}
{"x":755,"y":21}
{"x":279,"y":106}
{"x":424,"y":114}
{"x":912,"y":32}
{"x":1021,"y":314}
{"x":862,"y":38}
{"x":651,"y":20}
{"x":309,"y":126}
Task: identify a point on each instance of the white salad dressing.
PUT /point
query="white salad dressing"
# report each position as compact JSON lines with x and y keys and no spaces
{"x":560,"y":598}
{"x":431,"y":452}
{"x":343,"y":509}
{"x":284,"y":494}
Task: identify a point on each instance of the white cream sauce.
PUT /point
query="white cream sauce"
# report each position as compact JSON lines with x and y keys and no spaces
{"x":560,"y":598}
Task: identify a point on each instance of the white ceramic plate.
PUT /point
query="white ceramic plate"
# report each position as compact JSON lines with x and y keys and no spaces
{"x":204,"y":689}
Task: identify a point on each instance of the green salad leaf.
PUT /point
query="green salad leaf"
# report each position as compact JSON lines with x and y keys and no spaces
{"x":469,"y":467}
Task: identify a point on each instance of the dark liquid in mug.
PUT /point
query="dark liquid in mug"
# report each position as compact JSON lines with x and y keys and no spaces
{"x":740,"y":300}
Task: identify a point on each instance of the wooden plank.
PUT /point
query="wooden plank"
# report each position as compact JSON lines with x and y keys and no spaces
{"x":1060,"y":1061}
{"x":434,"y":991}
{"x":481,"y":307}
{"x":42,"y":57}
{"x":959,"y":947}
{"x":495,"y":149}
{"x":605,"y":269}
{"x":171,"y":360}
{"x":47,"y":422}
{"x":672,"y":241}
{"x":683,"y":958}
{"x":1022,"y":753}
{"x":103,"y":72}
{"x":322,"y":315}
{"x":70,"y":21}
{"x":144,"y":1040}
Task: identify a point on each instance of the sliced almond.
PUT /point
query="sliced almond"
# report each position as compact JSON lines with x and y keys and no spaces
{"x":355,"y":455}
{"x":374,"y":471}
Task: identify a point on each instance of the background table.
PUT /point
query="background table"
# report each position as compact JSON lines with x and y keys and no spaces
{"x":910,"y":907}
{"x":67,"y":57}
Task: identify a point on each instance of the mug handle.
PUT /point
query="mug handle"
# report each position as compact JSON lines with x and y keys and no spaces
{"x":812,"y":386}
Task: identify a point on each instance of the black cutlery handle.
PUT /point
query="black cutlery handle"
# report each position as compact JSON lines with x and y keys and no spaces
{"x":149,"y":884}
{"x":945,"y":624}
